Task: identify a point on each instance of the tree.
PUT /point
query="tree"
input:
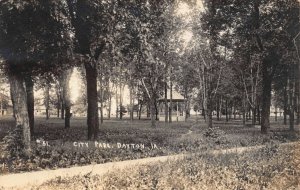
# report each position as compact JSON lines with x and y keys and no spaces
{"x":88,"y":19}
{"x":260,"y":24}
{"x":28,"y":45}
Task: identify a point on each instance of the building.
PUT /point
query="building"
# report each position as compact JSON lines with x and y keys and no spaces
{"x":178,"y":107}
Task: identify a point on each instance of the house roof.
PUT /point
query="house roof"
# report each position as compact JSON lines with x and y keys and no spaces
{"x":175,"y":96}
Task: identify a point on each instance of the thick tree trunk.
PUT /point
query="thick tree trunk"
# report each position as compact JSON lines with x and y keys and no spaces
{"x":266,"y":98}
{"x":66,"y":97}
{"x":19,"y":99}
{"x":30,"y":102}
{"x":92,"y":100}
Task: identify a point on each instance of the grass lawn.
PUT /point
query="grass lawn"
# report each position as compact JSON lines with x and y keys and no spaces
{"x":178,"y":137}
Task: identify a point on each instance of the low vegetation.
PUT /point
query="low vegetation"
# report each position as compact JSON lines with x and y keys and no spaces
{"x":190,"y":137}
{"x":272,"y":167}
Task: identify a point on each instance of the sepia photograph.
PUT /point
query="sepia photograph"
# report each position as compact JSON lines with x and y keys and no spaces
{"x":149,"y":94}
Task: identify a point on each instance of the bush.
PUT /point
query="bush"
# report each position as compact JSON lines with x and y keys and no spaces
{"x":12,"y":144}
{"x":216,"y":135}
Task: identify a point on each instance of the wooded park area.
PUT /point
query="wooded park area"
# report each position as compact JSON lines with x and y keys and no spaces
{"x":233,"y":63}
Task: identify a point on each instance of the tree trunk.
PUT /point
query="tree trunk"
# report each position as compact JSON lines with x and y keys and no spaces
{"x":275,"y":113}
{"x":92,"y":100}
{"x":285,"y":106}
{"x":66,"y":96}
{"x":1,"y":106}
{"x":121,"y":102}
{"x":244,"y":109}
{"x":131,"y":103}
{"x":226,"y":109}
{"x":209,"y":113}
{"x":153,"y":112}
{"x":218,"y":109}
{"x":253,"y":109}
{"x":171,"y":104}
{"x":185,"y":103}
{"x":59,"y":98}
{"x":19,"y":99}
{"x":297,"y":97}
{"x":156,"y":110}
{"x":62,"y":113}
{"x":47,"y":99}
{"x":298,"y":109}
{"x":266,"y":98}
{"x":291,"y":104}
{"x":140,"y":110}
{"x":166,"y":103}
{"x":258,"y":115}
{"x":148,"y":110}
{"x":30,"y":102}
{"x":297,"y":104}
{"x":109,"y":105}
{"x":117,"y":102}
{"x":101,"y":95}
{"x":234,"y":112}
